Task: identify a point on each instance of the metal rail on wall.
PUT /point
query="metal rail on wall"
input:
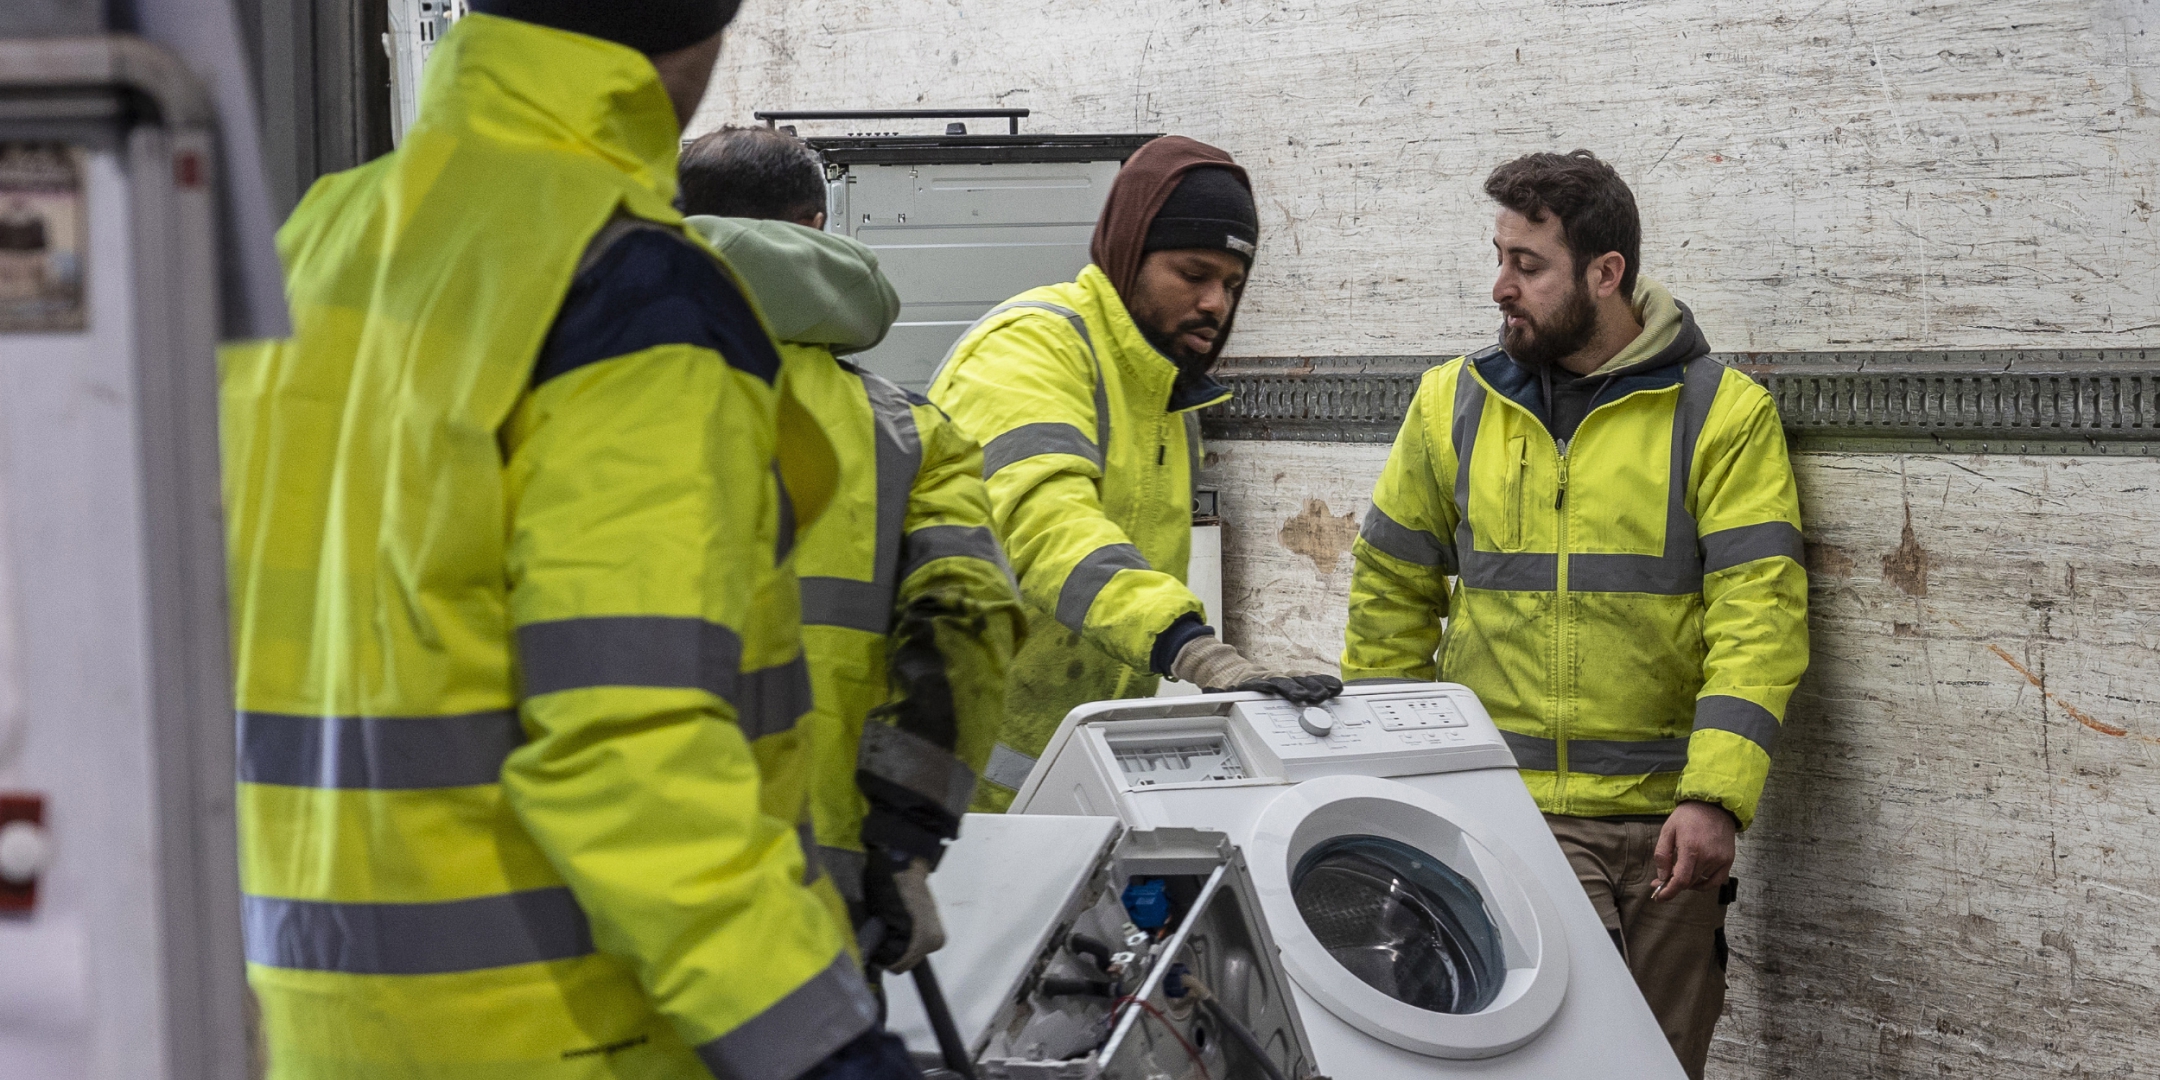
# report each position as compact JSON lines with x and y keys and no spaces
{"x":2005,"y":401}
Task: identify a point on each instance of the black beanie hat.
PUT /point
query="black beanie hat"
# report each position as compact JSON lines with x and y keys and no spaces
{"x":651,"y":27}
{"x":1211,"y":208}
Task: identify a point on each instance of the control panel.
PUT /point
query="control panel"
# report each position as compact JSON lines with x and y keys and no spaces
{"x":1114,"y":750}
{"x":1401,"y":734}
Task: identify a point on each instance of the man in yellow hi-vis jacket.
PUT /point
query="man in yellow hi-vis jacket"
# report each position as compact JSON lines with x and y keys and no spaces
{"x":1084,"y":396}
{"x":522,"y":788}
{"x":909,"y":615}
{"x":1618,"y":515}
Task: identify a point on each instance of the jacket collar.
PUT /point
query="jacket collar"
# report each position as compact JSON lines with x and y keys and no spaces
{"x":1156,"y":376}
{"x":553,"y":90}
{"x":1665,"y":365}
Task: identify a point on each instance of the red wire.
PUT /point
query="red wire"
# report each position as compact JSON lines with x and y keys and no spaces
{"x":1172,"y":1029}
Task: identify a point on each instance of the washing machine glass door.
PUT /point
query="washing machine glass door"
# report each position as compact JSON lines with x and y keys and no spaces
{"x":1401,"y":921}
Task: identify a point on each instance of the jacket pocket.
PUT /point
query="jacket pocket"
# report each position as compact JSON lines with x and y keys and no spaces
{"x":1517,"y":464}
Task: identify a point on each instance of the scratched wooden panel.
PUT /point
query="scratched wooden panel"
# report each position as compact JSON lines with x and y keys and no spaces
{"x":1831,"y":174}
{"x":1957,"y":868}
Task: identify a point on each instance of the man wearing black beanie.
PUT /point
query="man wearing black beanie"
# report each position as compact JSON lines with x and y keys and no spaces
{"x":522,"y":791}
{"x":1084,"y":396}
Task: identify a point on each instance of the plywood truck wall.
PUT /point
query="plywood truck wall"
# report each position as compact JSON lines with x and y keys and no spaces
{"x":1957,"y":870}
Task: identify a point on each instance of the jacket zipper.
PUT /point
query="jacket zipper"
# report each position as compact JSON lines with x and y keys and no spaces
{"x":1563,"y":640}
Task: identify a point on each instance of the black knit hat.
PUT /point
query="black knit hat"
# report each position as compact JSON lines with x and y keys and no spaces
{"x":1211,"y":208}
{"x":651,"y":27}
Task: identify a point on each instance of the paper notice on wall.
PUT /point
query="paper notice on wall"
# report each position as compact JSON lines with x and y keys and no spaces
{"x":42,"y":237}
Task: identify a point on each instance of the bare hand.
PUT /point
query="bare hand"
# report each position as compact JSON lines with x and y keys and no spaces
{"x":1695,"y":850}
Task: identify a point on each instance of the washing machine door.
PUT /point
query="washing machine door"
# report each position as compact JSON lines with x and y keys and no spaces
{"x":1403,"y":916}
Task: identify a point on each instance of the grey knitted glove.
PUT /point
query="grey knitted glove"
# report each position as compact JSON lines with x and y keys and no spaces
{"x":1211,"y":665}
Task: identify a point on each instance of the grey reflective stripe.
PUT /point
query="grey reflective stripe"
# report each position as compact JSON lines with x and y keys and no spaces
{"x":1727,"y":548}
{"x":1721,"y":712}
{"x":1089,"y":577}
{"x":845,"y":868}
{"x":1393,"y":538}
{"x":1531,"y":752}
{"x":1603,"y":757}
{"x":662,"y":651}
{"x":1007,"y":767}
{"x":899,"y":459}
{"x":846,"y":603}
{"x":1599,"y":757}
{"x":1192,"y":457}
{"x":529,"y":927}
{"x":1664,"y":575}
{"x":798,"y":1031}
{"x":933,"y":542}
{"x":917,"y":764}
{"x":1525,"y":571}
{"x":1035,"y":440}
{"x":376,"y":752}
{"x":1102,"y":393}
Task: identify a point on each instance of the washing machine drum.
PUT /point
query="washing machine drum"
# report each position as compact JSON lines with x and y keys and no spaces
{"x":1403,"y":915}
{"x":1402,"y":922}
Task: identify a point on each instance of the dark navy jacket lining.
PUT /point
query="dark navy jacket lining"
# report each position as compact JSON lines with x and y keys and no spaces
{"x":650,"y":288}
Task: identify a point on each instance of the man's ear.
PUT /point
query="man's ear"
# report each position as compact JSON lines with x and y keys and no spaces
{"x":1606,"y":272}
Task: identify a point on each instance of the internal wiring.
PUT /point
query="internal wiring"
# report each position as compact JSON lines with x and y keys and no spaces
{"x":1190,"y":1050}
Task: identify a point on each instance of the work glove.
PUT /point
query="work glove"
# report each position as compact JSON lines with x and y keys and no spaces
{"x":1211,"y":665}
{"x":874,"y":1055}
{"x":903,"y":924}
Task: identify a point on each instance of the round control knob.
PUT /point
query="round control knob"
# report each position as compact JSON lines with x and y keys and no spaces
{"x":1316,"y":721}
{"x":24,"y":852}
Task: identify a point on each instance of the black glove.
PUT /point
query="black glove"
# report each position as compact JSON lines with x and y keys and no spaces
{"x":916,"y":789}
{"x":899,"y":922}
{"x":874,"y":1055}
{"x":1302,"y":689}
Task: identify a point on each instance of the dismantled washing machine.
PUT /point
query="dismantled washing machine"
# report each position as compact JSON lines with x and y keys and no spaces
{"x":1427,"y":922}
{"x":1080,"y":949}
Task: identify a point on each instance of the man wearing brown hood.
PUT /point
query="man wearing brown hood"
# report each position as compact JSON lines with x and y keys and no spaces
{"x":1085,"y":398}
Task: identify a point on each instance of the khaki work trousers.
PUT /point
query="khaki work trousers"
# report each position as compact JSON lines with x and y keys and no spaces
{"x":1674,"y":948}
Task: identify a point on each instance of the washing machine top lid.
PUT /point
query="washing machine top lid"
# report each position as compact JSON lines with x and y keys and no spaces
{"x":1406,"y":918}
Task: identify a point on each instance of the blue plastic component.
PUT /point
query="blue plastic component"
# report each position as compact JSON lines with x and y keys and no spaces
{"x":1148,"y":902}
{"x":1173,"y":986}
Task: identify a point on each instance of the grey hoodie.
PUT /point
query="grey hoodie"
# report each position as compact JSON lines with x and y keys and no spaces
{"x":816,"y":288}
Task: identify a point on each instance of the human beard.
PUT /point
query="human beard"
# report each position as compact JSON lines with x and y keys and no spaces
{"x":1543,"y":345}
{"x":1170,"y":346}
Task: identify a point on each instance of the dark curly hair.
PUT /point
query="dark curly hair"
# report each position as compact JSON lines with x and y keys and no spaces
{"x":1596,"y":210}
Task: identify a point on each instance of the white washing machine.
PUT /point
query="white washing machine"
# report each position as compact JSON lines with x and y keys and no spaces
{"x":1428,"y":923}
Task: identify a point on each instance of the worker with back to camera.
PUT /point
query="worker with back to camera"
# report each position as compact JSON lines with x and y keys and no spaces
{"x":903,"y":583}
{"x":1084,"y":396}
{"x":1618,"y":514}
{"x":516,"y":646}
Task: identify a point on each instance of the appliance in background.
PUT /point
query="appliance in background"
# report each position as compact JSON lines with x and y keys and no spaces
{"x":960,"y":222}
{"x":415,"y":27}
{"x":133,"y":229}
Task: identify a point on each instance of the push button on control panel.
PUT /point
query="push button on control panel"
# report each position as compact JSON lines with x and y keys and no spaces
{"x":1413,"y":714}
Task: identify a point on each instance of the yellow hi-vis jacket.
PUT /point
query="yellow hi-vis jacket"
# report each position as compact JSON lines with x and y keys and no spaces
{"x":1090,"y":462}
{"x":910,"y":519}
{"x":517,"y":654}
{"x":1630,"y":607}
